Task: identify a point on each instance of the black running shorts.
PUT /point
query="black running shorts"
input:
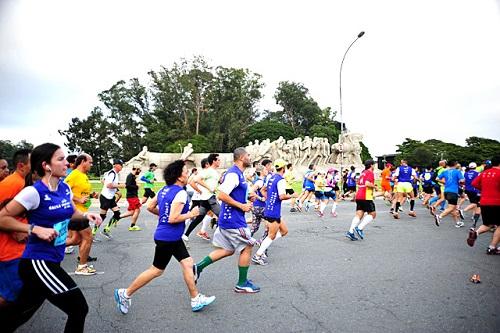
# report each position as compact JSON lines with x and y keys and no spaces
{"x":273,"y":219}
{"x":473,"y":197}
{"x":429,"y":189}
{"x":452,"y":198}
{"x":107,"y":203}
{"x":366,"y":206}
{"x":148,"y":193}
{"x":78,"y":224}
{"x":289,"y":191}
{"x":490,"y":215}
{"x":165,"y":250}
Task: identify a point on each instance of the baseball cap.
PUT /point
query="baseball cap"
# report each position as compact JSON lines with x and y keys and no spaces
{"x":332,"y":170}
{"x":279,"y":163}
{"x":388,"y":164}
{"x":117,"y":161}
{"x":369,"y":163}
{"x":472,"y":165}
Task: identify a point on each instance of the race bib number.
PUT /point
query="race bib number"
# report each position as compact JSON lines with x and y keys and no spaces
{"x":62,"y":229}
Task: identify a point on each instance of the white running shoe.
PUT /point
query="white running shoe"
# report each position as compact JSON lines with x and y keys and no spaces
{"x":69,"y":249}
{"x":200,"y":301}
{"x":122,"y":302}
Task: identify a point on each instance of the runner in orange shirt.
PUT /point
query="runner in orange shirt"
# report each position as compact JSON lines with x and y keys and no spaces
{"x":385,"y":182}
{"x":12,"y":243}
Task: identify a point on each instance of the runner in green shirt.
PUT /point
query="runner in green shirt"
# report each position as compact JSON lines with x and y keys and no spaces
{"x":149,"y":179}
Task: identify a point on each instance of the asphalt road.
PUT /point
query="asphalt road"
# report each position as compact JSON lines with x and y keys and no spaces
{"x":406,"y":276}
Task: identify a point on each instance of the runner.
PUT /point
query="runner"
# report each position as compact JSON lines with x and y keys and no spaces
{"x":319,"y":193}
{"x":4,"y":169}
{"x":308,"y":188}
{"x":259,"y":204}
{"x":488,"y":182}
{"x":404,"y":175}
{"x":426,"y":179}
{"x":149,"y":179}
{"x":332,"y":188}
{"x":195,"y":202}
{"x":451,"y":178}
{"x":364,"y":203}
{"x":49,"y":206}
{"x":79,"y":231}
{"x":472,"y":193}
{"x":232,"y":234}
{"x":290,"y":179}
{"x":172,"y":209}
{"x":385,"y":182}
{"x":206,"y":181}
{"x":277,"y":228}
{"x":107,"y":198}
{"x":350,"y":183}
{"x":134,"y":205}
{"x":12,"y":243}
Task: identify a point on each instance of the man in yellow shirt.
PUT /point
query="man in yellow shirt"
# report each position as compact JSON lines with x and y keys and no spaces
{"x":290,"y":179}
{"x":79,"y":232}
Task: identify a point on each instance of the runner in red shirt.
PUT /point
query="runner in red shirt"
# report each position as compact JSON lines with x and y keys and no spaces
{"x":488,"y":182}
{"x":364,"y":203}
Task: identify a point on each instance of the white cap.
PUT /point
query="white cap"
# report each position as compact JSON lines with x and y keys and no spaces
{"x":472,"y":165}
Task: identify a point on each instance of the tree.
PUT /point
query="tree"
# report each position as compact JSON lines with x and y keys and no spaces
{"x":7,"y":149}
{"x":233,"y":106}
{"x":128,"y":104}
{"x":93,"y":136}
{"x":300,"y":111}
{"x":269,"y":129}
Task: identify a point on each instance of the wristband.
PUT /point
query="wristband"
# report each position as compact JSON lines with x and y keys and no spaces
{"x":30,"y":229}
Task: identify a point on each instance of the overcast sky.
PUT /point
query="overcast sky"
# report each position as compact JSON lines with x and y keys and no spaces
{"x":424,"y":69}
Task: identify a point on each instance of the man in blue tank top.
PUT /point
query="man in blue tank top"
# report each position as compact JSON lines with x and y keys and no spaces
{"x":232,"y":234}
{"x":276,"y":192}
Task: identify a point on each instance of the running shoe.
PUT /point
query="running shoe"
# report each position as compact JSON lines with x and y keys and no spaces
{"x":492,"y":251}
{"x":259,"y":260}
{"x":248,"y":287}
{"x":396,"y":216}
{"x":459,"y":224}
{"x":134,"y":228}
{"x":320,"y":214}
{"x":412,"y":214}
{"x":306,"y":208}
{"x":461,"y":213}
{"x":472,"y":237}
{"x":122,"y":302}
{"x":85,"y":270}
{"x":89,"y":259}
{"x":114,"y":222}
{"x":95,"y":239}
{"x":69,"y":249}
{"x":293,"y":210}
{"x":437,"y":220}
{"x":200,"y":301}
{"x":360,"y":233}
{"x":334,"y":214}
{"x":107,"y":233}
{"x":351,"y":236}
{"x":196,"y":273}
{"x":203,"y":235}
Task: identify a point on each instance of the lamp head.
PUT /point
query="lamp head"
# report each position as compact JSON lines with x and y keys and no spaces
{"x":361,"y":34}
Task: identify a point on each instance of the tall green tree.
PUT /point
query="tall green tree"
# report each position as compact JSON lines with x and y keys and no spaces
{"x":299,"y":110}
{"x":92,"y":135}
{"x":7,"y":149}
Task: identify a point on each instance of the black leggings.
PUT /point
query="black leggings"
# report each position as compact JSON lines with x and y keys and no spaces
{"x":44,"y":280}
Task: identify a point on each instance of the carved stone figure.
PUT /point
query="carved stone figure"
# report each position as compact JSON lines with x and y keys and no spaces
{"x":140,"y":159}
{"x":349,"y":145}
{"x":188,"y":150}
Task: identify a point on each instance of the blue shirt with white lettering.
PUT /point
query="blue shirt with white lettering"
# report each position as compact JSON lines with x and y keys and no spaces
{"x":165,"y":231}
{"x":469,"y":177}
{"x":273,"y":201}
{"x":405,"y":172}
{"x":54,"y":211}
{"x":231,"y":217}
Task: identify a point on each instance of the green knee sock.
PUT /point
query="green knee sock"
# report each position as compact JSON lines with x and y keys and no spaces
{"x":204,"y":263}
{"x":243,"y":275}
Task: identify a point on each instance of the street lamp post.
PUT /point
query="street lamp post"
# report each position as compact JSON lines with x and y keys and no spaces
{"x":341,"y":139}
